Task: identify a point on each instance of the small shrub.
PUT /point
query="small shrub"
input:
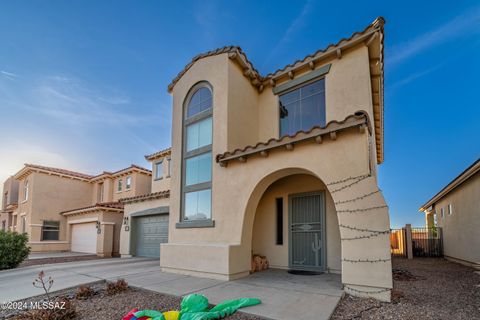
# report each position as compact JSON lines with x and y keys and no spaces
{"x":84,"y":292}
{"x":13,"y":249}
{"x":68,"y":312}
{"x":116,"y":287}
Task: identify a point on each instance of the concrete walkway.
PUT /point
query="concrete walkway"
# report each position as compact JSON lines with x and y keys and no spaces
{"x":284,"y":296}
{"x":46,"y":255}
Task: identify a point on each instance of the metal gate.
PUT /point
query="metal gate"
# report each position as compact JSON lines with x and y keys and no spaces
{"x":307,"y":231}
{"x":424,"y":242}
{"x":427,"y":242}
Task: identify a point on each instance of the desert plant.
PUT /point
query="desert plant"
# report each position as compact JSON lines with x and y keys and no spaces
{"x":84,"y":292}
{"x":116,"y":287}
{"x":43,"y":283}
{"x":13,"y":249}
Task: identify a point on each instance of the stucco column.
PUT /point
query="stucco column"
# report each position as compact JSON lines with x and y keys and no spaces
{"x":105,"y":239}
{"x":364,"y":230}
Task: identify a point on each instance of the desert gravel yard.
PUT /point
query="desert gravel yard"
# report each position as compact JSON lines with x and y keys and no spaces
{"x":102,"y":305}
{"x":424,"y":288}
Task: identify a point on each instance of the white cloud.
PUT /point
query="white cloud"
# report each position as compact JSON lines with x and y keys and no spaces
{"x":296,"y":25}
{"x":9,"y":75}
{"x":466,"y":23}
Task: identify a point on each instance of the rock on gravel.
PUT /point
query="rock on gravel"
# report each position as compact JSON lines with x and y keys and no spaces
{"x":424,"y":288}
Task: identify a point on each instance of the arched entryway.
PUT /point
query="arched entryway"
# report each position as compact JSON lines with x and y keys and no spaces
{"x":296,"y":226}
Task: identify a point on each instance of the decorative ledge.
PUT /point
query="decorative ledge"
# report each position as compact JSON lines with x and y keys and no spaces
{"x":359,"y":119}
{"x":195,"y":224}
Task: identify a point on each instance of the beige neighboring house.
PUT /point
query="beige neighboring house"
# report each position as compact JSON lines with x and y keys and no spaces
{"x":456,"y":209}
{"x":283,"y":165}
{"x":145,"y":222}
{"x":8,"y":213}
{"x":63,"y":210}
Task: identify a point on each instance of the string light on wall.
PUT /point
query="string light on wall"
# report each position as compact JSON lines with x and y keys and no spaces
{"x":373,"y":233}
{"x":356,"y":180}
{"x":365,"y":260}
{"x":367,"y":292}
{"x":362,"y":209}
{"x":359,"y":198}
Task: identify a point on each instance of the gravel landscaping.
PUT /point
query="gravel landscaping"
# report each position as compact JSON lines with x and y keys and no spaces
{"x":114,"y":306}
{"x":424,"y":288}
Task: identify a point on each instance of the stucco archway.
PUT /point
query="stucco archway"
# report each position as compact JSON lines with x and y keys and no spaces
{"x":315,"y":235}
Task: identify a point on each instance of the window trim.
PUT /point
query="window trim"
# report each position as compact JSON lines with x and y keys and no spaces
{"x":128,"y":187}
{"x":58,"y":231}
{"x":169,"y":163}
{"x":26,"y":187}
{"x":155,"y":164}
{"x":450,"y":209}
{"x":119,"y":185}
{"x":204,"y":223}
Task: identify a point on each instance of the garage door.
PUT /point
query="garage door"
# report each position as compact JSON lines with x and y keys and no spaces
{"x":150,"y":231}
{"x":84,"y":237}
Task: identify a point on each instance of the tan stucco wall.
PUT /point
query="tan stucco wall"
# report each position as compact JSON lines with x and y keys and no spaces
{"x":163,"y":183}
{"x":224,"y":251}
{"x":129,"y":208}
{"x":141,"y":184}
{"x":461,"y":229}
{"x":48,"y":196}
{"x":264,"y":227}
{"x":108,"y":241}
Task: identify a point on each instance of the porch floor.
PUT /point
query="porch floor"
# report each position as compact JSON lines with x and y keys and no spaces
{"x":283,"y":295}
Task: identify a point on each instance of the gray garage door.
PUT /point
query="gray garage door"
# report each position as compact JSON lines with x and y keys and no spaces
{"x":150,"y":231}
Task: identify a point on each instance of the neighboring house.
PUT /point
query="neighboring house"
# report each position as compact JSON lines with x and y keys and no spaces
{"x":456,"y":209}
{"x":282,"y":165}
{"x":145,"y":222}
{"x":9,"y":204}
{"x":63,"y":210}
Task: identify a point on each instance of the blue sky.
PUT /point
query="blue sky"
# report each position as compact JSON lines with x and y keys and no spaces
{"x":83,"y":83}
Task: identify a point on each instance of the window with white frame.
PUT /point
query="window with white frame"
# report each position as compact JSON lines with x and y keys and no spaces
{"x":119,"y":185}
{"x":128,"y":183}
{"x":101,"y":191}
{"x":442,"y":213}
{"x":158,"y":170}
{"x":25,"y":190}
{"x":197,"y":155}
{"x":449,"y":209}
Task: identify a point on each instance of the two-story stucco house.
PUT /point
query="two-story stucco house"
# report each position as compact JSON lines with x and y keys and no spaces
{"x":283,"y":165}
{"x":456,"y":209}
{"x":9,"y":204}
{"x":145,"y":222}
{"x":63,"y":210}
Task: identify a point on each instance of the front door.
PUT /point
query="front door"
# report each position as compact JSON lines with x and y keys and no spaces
{"x":307,"y":232}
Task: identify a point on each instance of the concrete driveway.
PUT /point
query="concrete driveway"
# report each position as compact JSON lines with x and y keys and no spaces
{"x":284,"y":296}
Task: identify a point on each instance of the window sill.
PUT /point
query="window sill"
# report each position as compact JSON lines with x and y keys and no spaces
{"x":158,"y":179}
{"x":195,"y":224}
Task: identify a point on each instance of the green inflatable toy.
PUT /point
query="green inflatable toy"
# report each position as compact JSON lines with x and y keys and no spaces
{"x":195,"y":307}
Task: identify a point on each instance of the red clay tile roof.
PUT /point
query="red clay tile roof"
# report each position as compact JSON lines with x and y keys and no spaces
{"x":132,"y":167}
{"x":143,"y":197}
{"x":158,"y":154}
{"x":100,"y":205}
{"x":28,"y":167}
{"x":373,"y":33}
{"x":358,"y":119}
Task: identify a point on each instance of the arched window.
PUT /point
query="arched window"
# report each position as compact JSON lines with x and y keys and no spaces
{"x":197,"y":155}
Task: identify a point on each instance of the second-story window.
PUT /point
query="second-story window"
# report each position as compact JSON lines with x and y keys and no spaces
{"x":302,"y":108}
{"x":197,"y":155}
{"x":119,"y":185}
{"x":169,"y":161}
{"x":128,"y":183}
{"x":158,"y":170}
{"x":100,"y":192}
{"x":25,"y":190}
